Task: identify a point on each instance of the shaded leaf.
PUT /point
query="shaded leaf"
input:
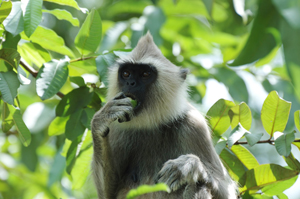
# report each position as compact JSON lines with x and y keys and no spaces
{"x":63,"y":15}
{"x":260,"y":42}
{"x":245,"y":156}
{"x":73,"y":101}
{"x":14,"y":23}
{"x":143,"y":189}
{"x":290,"y":10}
{"x":209,"y":5}
{"x":51,"y":78}
{"x":240,"y":114}
{"x":5,"y":9}
{"x":221,"y":144}
{"x":32,"y":16}
{"x":57,"y":168}
{"x":283,"y":143}
{"x":275,"y":113}
{"x":87,"y":116}
{"x":217,"y":116}
{"x":74,"y":126}
{"x":7,"y":119}
{"x":234,"y":166}
{"x":237,"y":133}
{"x":72,"y":153}
{"x":279,"y":187}
{"x":22,"y":76}
{"x":297,"y":119}
{"x":11,"y":41}
{"x":9,"y":84}
{"x":102,"y":63}
{"x":10,"y":56}
{"x":292,"y":162}
{"x":77,"y":80}
{"x":252,"y":138}
{"x":24,"y":133}
{"x":89,"y":35}
{"x":49,"y":40}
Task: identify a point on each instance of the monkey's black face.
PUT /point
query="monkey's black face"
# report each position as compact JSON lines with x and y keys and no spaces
{"x":135,"y":79}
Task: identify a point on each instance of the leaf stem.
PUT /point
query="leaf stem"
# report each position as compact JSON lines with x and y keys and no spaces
{"x":83,"y":58}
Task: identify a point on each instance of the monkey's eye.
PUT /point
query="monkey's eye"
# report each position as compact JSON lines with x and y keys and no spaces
{"x":125,"y":74}
{"x":146,"y":74}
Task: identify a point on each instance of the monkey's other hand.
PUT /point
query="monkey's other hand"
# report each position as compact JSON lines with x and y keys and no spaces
{"x":119,"y":108}
{"x":185,"y":170}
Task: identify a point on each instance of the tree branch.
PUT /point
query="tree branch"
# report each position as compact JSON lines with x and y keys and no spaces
{"x":34,"y":73}
{"x":262,"y":142}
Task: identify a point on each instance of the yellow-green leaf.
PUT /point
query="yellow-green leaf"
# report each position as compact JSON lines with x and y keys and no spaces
{"x":24,"y":133}
{"x":63,"y":15}
{"x":240,"y":114}
{"x":245,"y":156}
{"x":143,"y":189}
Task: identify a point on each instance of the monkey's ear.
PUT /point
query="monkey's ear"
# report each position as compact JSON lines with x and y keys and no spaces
{"x":184,"y":72}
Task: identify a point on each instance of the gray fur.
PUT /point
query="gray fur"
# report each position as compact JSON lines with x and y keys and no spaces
{"x":168,"y":141}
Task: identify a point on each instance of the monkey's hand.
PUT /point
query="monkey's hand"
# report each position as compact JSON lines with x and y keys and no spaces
{"x":183,"y":171}
{"x":119,"y":108}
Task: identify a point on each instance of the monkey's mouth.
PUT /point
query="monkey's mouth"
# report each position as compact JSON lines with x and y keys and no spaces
{"x":134,"y":98}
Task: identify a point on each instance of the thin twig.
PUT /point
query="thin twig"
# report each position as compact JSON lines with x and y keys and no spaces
{"x":261,"y":142}
{"x":34,"y":73}
{"x":83,"y":58}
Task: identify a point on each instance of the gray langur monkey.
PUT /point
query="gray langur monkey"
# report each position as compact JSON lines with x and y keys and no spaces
{"x":162,"y":139}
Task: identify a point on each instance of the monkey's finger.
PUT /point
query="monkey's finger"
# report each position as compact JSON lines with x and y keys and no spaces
{"x":120,"y":95}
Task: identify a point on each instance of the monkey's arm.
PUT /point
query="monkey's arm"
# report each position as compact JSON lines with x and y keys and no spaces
{"x":120,"y":109}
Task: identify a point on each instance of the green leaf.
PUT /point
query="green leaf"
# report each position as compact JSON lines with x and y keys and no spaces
{"x":51,"y":78}
{"x":279,"y":187}
{"x":240,"y":114}
{"x":297,"y":119}
{"x":24,"y":133}
{"x":57,"y":126}
{"x":103,"y":62}
{"x":143,"y":189}
{"x":73,"y":101}
{"x":9,"y":56}
{"x":283,"y":143}
{"x":7,"y":119}
{"x":221,"y":144}
{"x":275,"y":113}
{"x":57,"y":168}
{"x":11,"y":41}
{"x":72,"y":153}
{"x":290,"y":10}
{"x":260,"y":42}
{"x":252,"y":139}
{"x":5,"y":9}
{"x":89,"y":35}
{"x":77,"y":80}
{"x":14,"y":23}
{"x":292,"y":162}
{"x":218,"y":117}
{"x":9,"y":84}
{"x":49,"y":40}
{"x":74,"y":126}
{"x":87,"y":116}
{"x":282,"y":196}
{"x":234,"y":166}
{"x":33,"y":54}
{"x":33,"y":15}
{"x":266,"y":174}
{"x":291,"y":47}
{"x":71,"y":3}
{"x":63,"y":15}
{"x":245,"y":156}
{"x":236,"y":134}
{"x":209,"y":5}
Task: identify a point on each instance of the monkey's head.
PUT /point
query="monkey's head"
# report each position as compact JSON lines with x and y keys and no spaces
{"x":157,"y":85}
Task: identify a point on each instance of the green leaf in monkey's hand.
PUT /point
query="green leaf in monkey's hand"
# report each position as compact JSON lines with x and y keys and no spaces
{"x":133,"y":103}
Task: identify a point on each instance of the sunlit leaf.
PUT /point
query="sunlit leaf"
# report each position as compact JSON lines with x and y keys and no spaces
{"x":282,"y":196}
{"x":240,"y":114}
{"x":49,"y":40}
{"x":14,"y":23}
{"x":245,"y":156}
{"x":143,"y":189}
{"x":279,"y":187}
{"x":51,"y":78}
{"x":283,"y":143}
{"x":73,"y":101}
{"x":32,"y":16}
{"x":260,"y":42}
{"x":33,"y":54}
{"x":63,"y":15}
{"x":24,"y":133}
{"x":275,"y":113}
{"x":266,"y":174}
{"x":89,"y":35}
{"x":218,"y":117}
{"x":5,"y":9}
{"x":57,"y":126}
{"x":71,"y":3}
{"x":297,"y":119}
{"x":9,"y":84}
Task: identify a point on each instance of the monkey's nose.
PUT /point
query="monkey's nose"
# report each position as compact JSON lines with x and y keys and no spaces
{"x":131,"y":83}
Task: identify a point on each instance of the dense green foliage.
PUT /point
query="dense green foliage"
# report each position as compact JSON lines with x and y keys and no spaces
{"x":54,"y":56}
